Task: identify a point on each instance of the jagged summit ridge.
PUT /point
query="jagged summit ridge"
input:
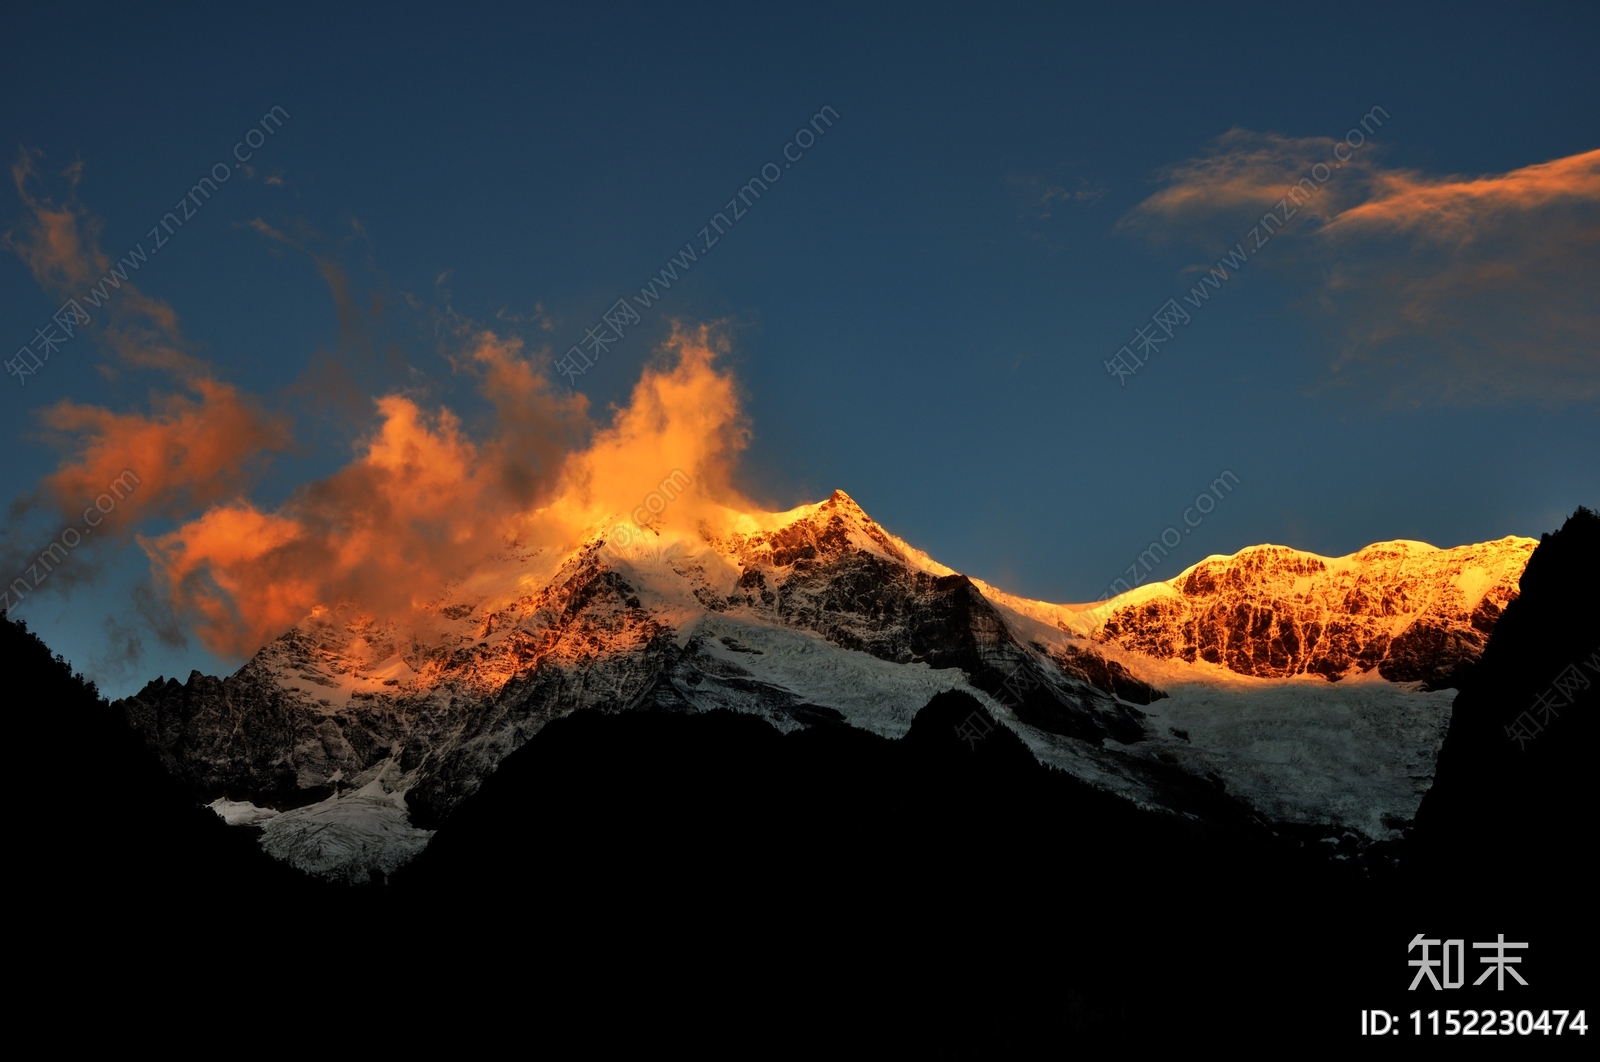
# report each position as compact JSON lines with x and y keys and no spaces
{"x":1414,"y":612}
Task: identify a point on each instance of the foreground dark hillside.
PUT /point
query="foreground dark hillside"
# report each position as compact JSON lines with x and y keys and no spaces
{"x":940,"y":891}
{"x":702,"y":880}
{"x":1518,"y":765}
{"x":105,"y":827}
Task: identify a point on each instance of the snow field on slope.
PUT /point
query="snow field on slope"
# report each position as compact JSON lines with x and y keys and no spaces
{"x":872,"y":694}
{"x":1306,"y":750}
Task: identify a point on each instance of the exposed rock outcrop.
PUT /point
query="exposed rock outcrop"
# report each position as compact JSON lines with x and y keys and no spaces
{"x":1414,"y":612}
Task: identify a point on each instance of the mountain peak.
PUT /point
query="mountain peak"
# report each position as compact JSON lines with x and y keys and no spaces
{"x":842,"y":500}
{"x":1410,"y":609}
{"x":835,"y":524}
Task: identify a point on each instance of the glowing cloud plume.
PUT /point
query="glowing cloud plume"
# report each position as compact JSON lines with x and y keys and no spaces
{"x":423,"y":504}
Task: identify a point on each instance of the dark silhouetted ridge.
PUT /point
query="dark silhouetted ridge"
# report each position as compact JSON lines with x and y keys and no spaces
{"x":1515,"y":777}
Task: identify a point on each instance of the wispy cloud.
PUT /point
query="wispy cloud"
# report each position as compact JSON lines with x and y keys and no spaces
{"x":59,"y":241}
{"x":1206,"y":200}
{"x":1442,"y":289}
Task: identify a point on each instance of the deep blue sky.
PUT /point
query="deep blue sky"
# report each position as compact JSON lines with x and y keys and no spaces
{"x":917,"y":317}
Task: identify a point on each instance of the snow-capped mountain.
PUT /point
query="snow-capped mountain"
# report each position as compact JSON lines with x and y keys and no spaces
{"x":1292,"y":686}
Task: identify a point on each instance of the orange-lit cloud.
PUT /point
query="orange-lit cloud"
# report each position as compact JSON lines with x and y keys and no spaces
{"x":188,"y":453}
{"x":1441,"y":289}
{"x":681,"y":415}
{"x":536,"y":428}
{"x":422,"y":504}
{"x":1459,"y":211}
{"x":377,"y":531}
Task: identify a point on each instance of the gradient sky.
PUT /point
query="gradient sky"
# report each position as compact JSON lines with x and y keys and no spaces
{"x":920,"y":309}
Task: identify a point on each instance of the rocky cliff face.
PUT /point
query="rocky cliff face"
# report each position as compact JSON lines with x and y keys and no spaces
{"x":1414,"y":612}
{"x":878,"y":600}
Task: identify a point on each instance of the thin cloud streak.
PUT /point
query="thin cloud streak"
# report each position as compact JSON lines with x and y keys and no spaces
{"x":1442,"y":290}
{"x":1459,"y":210}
